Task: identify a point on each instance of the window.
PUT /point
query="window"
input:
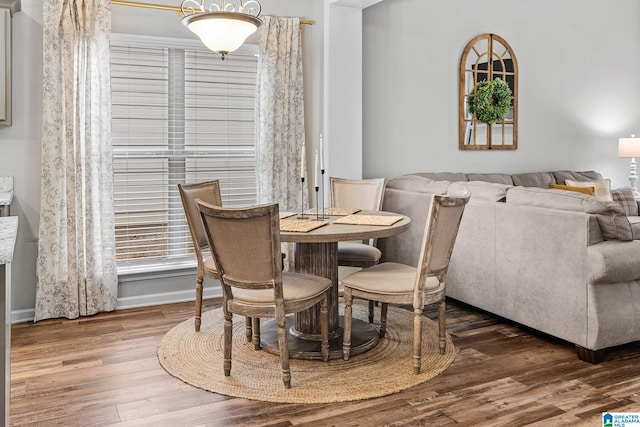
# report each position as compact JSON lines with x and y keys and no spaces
{"x":179,"y":115}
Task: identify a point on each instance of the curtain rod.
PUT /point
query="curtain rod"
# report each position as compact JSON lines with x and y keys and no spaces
{"x":172,"y":8}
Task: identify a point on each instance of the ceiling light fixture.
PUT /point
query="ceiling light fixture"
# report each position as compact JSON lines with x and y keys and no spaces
{"x":221,"y":27}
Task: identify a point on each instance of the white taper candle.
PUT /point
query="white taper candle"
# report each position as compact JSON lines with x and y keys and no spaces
{"x":303,"y":161}
{"x":321,"y":153}
{"x":315,"y":171}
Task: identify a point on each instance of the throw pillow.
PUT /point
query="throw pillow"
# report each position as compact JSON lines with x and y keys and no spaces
{"x":585,"y":190}
{"x":624,"y":197}
{"x":602,"y":187}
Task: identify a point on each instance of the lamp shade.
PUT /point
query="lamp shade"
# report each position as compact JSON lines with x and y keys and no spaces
{"x":629,"y":147}
{"x":222,"y":32}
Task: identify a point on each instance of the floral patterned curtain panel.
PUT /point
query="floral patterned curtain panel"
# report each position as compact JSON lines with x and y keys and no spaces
{"x":76,"y":250}
{"x":280,"y":117}
{"x":280,"y":124}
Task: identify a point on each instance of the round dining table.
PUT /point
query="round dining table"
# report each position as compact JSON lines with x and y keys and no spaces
{"x":316,"y":252}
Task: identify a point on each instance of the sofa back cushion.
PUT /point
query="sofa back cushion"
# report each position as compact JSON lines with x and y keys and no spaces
{"x":442,"y":176}
{"x":418,"y":184}
{"x":481,"y":190}
{"x":498,"y":178}
{"x":612,"y":220}
{"x":534,"y":179}
{"x":562,"y":176}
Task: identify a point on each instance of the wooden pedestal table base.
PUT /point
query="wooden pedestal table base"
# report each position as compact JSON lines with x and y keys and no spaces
{"x":364,"y":337}
{"x":316,"y":253}
{"x":304,"y":328}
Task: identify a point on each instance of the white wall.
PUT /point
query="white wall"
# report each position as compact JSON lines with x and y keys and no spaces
{"x":343,"y":92}
{"x":579,"y":75}
{"x":20,"y":147}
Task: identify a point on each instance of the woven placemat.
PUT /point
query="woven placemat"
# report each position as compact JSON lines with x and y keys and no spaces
{"x":335,"y":211}
{"x":369,"y":219}
{"x":197,"y":359}
{"x":300,"y":225}
{"x":283,"y":215}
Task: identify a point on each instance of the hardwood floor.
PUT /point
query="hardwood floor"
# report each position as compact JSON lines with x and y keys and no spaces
{"x":103,"y":370}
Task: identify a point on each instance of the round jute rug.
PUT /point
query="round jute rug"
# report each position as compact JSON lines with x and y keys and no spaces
{"x":197,"y":359}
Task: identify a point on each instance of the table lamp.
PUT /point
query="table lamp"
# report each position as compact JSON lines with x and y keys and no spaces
{"x":630,"y":147}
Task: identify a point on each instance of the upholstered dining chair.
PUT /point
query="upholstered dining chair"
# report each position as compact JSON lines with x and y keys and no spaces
{"x":209,"y":191}
{"x":395,"y":283}
{"x":246,"y":249}
{"x":363,"y":194}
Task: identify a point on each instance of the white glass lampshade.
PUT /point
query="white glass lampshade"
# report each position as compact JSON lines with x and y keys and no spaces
{"x":222,"y":32}
{"x":629,"y":147}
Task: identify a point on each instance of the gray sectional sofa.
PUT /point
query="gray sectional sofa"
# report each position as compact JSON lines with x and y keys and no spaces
{"x":561,"y":262}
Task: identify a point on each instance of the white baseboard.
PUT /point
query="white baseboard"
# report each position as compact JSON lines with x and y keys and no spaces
{"x":148,"y":300}
{"x":22,"y":316}
{"x":165,"y":298}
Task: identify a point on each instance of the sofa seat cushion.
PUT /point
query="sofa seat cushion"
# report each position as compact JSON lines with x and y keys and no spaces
{"x":613,"y":222}
{"x":612,"y":262}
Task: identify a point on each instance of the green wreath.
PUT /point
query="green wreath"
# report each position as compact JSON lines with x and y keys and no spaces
{"x":490,"y":101}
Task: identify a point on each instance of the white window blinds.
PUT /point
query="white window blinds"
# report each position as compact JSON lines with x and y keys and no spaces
{"x":179,"y":116}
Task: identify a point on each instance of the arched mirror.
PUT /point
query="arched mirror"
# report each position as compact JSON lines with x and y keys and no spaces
{"x":491,"y":122}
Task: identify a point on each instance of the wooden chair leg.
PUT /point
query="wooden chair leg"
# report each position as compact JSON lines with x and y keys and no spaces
{"x":324,"y":328}
{"x":248,"y":328}
{"x":284,"y":350}
{"x":346,"y":338}
{"x":442,"y":326}
{"x":383,"y":319}
{"x":228,"y":337}
{"x":256,"y":333}
{"x":417,"y":340}
{"x":371,"y":312}
{"x":198,"y":303}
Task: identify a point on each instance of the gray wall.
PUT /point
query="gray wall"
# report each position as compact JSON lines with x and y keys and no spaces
{"x":579,"y":66}
{"x":20,"y":150}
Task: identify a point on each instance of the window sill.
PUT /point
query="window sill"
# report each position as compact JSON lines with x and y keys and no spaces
{"x":132,"y":273}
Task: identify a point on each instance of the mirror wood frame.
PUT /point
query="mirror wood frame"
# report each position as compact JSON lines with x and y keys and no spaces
{"x":493,"y":50}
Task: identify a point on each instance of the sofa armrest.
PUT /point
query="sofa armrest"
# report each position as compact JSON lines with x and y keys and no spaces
{"x":536,"y":262}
